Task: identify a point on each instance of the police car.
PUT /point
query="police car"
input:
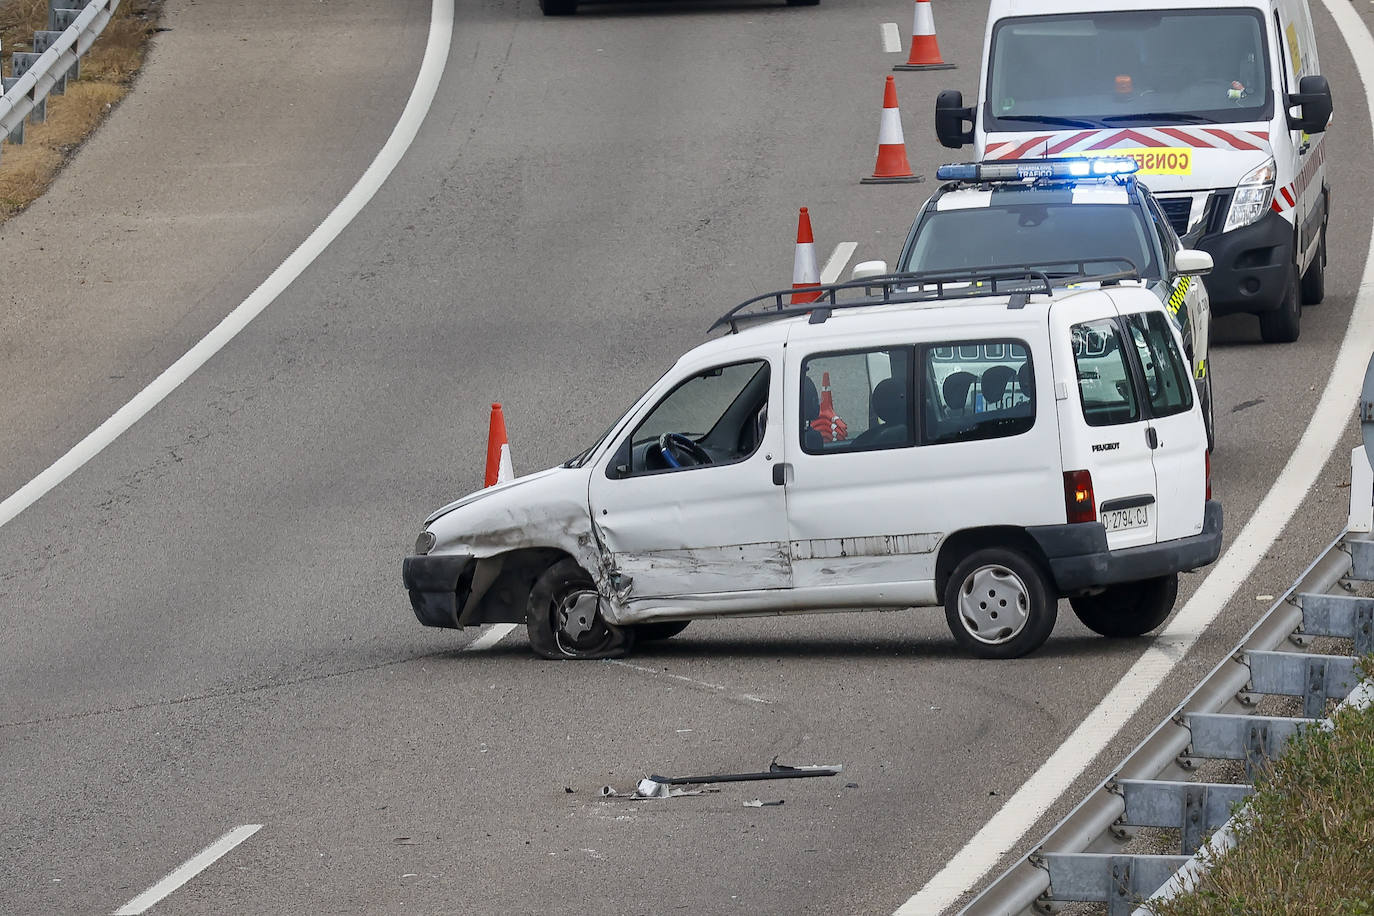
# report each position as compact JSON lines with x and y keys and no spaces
{"x":986,"y":442}
{"x":1081,"y":210}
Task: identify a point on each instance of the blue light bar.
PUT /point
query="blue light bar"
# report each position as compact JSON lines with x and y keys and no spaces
{"x":1031,"y":169}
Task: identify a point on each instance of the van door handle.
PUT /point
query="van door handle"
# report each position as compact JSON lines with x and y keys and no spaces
{"x":1151,"y":437}
{"x":782,"y":473}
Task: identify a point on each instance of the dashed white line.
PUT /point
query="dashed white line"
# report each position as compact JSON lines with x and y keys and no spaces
{"x":193,"y":866}
{"x":834,"y":266}
{"x":706,"y":685}
{"x":892,"y":39}
{"x":402,"y":135}
{"x":1090,"y":738}
{"x":498,"y":632}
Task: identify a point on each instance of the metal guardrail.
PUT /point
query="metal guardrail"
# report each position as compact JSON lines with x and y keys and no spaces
{"x":1092,"y":855}
{"x":73,"y":26}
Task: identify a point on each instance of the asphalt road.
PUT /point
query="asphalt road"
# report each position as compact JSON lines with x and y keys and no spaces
{"x":204,"y":626}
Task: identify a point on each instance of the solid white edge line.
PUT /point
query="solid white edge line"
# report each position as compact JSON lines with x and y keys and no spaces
{"x":892,"y":38}
{"x":498,"y":632}
{"x":402,"y":135}
{"x":835,"y":264}
{"x":1026,"y":806}
{"x":188,"y":870}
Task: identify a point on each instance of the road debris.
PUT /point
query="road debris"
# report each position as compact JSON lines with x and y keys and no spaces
{"x":775,"y":771}
{"x":760,"y":803}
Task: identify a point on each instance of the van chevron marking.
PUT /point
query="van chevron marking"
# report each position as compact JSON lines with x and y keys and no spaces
{"x":1111,"y":138}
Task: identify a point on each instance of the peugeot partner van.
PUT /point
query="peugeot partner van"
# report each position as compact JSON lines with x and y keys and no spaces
{"x":986,"y":442}
{"x":1221,"y":102}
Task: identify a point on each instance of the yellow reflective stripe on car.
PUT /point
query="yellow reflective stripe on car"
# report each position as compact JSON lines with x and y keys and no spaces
{"x":1175,"y":300}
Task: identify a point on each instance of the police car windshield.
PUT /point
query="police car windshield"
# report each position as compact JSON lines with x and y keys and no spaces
{"x":1143,"y":67}
{"x":1031,"y":233}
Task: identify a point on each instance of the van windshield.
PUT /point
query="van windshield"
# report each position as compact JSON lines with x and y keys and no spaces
{"x":1136,"y":68}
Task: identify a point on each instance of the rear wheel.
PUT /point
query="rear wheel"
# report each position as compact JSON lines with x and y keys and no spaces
{"x":648,"y":632}
{"x":998,"y":604}
{"x":1208,"y":411}
{"x":1314,"y":280}
{"x":1128,"y":609}
{"x":564,"y":617}
{"x":558,"y":7}
{"x":803,"y":2}
{"x":1284,"y":323}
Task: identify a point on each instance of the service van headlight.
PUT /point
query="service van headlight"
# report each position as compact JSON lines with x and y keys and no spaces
{"x":1254,"y":194}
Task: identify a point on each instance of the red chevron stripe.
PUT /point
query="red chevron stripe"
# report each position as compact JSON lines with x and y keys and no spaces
{"x":1065,"y":144}
{"x":1026,"y":147}
{"x":1196,"y":142}
{"x":1230,"y":138}
{"x":1114,"y":140}
{"x":1287,"y":198}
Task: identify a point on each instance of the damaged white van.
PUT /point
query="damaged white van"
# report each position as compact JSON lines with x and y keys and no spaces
{"x":1220,"y":101}
{"x":987,"y":442}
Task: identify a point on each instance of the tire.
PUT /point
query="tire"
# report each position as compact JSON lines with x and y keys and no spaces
{"x":1129,"y":609}
{"x":803,"y":2}
{"x":1314,"y":280}
{"x":1284,"y":323}
{"x":652,"y":632}
{"x":555,"y":597}
{"x":998,"y":604}
{"x":1209,"y":411}
{"x":558,"y":7}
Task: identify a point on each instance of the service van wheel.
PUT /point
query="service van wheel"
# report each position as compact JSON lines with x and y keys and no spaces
{"x":1284,"y":323}
{"x":1129,"y":609}
{"x":651,"y":632}
{"x":1314,"y":280}
{"x":998,"y":604}
{"x":564,"y":617}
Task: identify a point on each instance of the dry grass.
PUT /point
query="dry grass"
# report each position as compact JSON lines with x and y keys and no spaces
{"x":1309,"y":848}
{"x":107,"y":72}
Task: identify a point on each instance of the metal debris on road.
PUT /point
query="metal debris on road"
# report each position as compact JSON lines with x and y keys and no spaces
{"x":759,"y":803}
{"x":775,"y":771}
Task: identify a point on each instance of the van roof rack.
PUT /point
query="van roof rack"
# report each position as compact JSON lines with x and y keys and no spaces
{"x":1020,"y":281}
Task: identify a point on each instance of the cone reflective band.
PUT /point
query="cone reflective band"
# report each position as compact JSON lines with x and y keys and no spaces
{"x":499,"y":469}
{"x":892,"y":164}
{"x":804,"y":272}
{"x":925,"y":49}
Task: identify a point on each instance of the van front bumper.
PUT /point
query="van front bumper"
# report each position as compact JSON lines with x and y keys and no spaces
{"x":438,"y":586}
{"x":1079,"y":558}
{"x":1251,"y":266}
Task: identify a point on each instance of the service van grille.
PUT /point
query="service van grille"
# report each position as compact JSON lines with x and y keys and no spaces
{"x":1177,"y":209}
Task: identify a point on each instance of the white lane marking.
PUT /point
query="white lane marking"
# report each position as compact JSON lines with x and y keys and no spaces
{"x":402,"y":135}
{"x":748,"y":697}
{"x":192,"y":867}
{"x":892,"y":39}
{"x":498,"y":632}
{"x":834,"y":266}
{"x":1025,"y":806}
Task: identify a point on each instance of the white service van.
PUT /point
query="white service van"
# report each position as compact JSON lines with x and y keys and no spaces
{"x":1220,"y":101}
{"x":987,"y":442}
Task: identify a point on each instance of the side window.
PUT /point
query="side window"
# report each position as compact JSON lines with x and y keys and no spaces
{"x":1169,"y":386}
{"x":976,"y":389}
{"x":856,"y":401}
{"x":1104,"y":378}
{"x":717,"y":416}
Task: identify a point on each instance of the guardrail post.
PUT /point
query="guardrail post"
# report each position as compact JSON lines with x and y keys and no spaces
{"x":62,"y":13}
{"x":20,"y":63}
{"x":43,"y":40}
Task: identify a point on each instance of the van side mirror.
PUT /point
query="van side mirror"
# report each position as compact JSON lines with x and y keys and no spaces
{"x":950,"y":115}
{"x":865,"y":269}
{"x":1190,"y":262}
{"x":1314,"y":95}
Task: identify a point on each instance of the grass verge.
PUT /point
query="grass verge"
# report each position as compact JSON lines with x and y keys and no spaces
{"x":107,"y":72}
{"x":1309,"y":845}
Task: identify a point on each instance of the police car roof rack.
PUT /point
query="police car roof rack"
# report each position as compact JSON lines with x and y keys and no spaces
{"x":1020,"y":281}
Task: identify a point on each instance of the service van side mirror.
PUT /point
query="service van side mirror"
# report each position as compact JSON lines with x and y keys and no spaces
{"x":1314,"y":95}
{"x":950,"y":115}
{"x":1191,"y":262}
{"x":866,"y":269}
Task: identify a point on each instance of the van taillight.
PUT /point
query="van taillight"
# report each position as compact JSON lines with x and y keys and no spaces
{"x":1209,"y":474}
{"x":1079,"y":504}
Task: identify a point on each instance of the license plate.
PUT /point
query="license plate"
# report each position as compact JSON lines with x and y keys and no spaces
{"x":1122,"y":519}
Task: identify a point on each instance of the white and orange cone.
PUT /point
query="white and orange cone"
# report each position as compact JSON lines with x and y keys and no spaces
{"x":925,"y":49}
{"x":805,"y":276}
{"x":499,"y":469}
{"x":892,"y":164}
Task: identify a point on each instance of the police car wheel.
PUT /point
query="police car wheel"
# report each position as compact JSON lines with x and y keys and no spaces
{"x":998,"y":604}
{"x":803,"y":2}
{"x":1209,"y":413}
{"x":564,"y":619}
{"x":1284,"y":323}
{"x":558,"y":7}
{"x":1129,"y":609}
{"x":1314,"y":280}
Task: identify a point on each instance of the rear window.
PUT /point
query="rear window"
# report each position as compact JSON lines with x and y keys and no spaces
{"x":1105,"y":387}
{"x":977,"y":389}
{"x":1168,"y":385}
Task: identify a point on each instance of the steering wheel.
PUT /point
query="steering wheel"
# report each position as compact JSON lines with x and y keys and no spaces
{"x":681,"y":452}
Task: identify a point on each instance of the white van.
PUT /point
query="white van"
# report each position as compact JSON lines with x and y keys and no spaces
{"x":988,"y":442}
{"x":1221,"y":103}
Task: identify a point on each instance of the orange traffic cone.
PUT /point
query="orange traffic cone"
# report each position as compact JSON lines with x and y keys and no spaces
{"x":804,"y":272}
{"x":892,"y":165}
{"x":827,"y":423}
{"x":499,"y":468}
{"x":925,"y":50}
